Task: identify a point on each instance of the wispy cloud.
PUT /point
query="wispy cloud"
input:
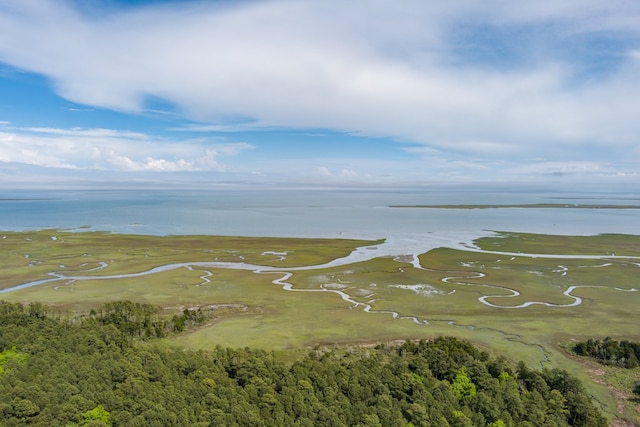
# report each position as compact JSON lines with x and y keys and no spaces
{"x":107,"y":149}
{"x":88,"y":133}
{"x":500,"y":80}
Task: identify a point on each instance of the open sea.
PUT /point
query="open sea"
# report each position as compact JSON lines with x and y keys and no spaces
{"x":314,"y":213}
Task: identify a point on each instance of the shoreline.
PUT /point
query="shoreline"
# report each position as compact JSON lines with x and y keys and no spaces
{"x":521,"y":206}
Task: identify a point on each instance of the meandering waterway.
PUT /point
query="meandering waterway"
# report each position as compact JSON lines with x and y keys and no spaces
{"x":396,"y":248}
{"x":408,"y":232}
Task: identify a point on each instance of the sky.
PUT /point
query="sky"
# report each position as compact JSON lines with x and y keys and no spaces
{"x":319,"y":93}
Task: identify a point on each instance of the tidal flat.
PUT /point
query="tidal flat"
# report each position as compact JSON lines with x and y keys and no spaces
{"x":522,"y":295}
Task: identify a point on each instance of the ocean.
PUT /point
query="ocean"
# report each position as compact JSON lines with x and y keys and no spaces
{"x":313,"y":213}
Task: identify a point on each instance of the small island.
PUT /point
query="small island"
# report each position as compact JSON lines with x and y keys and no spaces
{"x":521,"y":206}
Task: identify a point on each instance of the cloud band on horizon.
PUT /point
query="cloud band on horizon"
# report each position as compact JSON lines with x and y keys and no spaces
{"x":524,"y":83}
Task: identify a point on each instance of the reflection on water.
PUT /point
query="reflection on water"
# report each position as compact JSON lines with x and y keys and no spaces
{"x":310,"y":213}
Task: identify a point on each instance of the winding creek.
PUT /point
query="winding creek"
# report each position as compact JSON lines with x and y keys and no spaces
{"x":407,"y":248}
{"x":358,"y":215}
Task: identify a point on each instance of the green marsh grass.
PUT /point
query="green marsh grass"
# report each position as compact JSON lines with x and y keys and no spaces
{"x":602,"y":244}
{"x":444,"y":296}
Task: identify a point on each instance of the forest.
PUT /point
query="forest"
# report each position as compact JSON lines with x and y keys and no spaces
{"x":105,"y":369}
{"x":624,"y":354}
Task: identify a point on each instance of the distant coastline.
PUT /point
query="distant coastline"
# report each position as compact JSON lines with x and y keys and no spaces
{"x":525,"y":206}
{"x":453,"y":216}
{"x":24,"y":199}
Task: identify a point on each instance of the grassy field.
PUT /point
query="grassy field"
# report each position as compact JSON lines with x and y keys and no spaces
{"x":382,"y":299}
{"x":602,"y":244}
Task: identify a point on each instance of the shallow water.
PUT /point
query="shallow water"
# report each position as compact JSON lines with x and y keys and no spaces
{"x":407,"y":231}
{"x":311,"y":213}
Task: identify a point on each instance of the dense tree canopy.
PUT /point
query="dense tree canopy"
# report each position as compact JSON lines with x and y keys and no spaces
{"x":96,"y":371}
{"x":625,"y":354}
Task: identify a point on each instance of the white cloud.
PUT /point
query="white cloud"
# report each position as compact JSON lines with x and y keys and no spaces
{"x":89,"y":133}
{"x":562,"y":168}
{"x":348,"y":173}
{"x":107,"y":149}
{"x":341,"y":175}
{"x":324,"y":171}
{"x":372,"y":67}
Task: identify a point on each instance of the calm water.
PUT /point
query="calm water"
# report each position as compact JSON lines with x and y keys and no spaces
{"x":310,"y":213}
{"x":407,"y":231}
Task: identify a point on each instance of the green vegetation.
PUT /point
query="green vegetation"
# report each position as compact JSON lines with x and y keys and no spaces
{"x":378,"y":300}
{"x":602,"y":244}
{"x":36,"y":253}
{"x":143,"y":321}
{"x":86,"y":371}
{"x":622,"y":372}
{"x":10,"y":354}
{"x":625,"y":354}
{"x":625,"y":383}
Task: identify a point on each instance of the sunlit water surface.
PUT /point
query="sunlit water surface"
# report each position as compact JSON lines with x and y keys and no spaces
{"x":344,"y":214}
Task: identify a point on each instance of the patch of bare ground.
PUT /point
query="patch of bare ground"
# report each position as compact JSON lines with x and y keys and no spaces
{"x":622,"y":423}
{"x":597,"y":375}
{"x":365,"y":344}
{"x":404,"y":258}
{"x":209,"y":307}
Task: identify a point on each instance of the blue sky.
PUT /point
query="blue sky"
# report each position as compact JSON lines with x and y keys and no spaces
{"x":366,"y":93}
